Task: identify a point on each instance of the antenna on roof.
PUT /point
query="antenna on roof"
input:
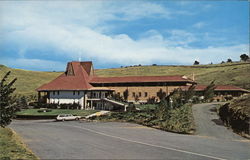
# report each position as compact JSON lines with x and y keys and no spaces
{"x":79,"y":59}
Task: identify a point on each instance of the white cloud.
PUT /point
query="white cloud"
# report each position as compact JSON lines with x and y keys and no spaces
{"x":199,"y":25}
{"x":74,"y":29}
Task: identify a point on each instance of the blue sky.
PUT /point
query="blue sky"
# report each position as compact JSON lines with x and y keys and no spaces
{"x":45,"y":35}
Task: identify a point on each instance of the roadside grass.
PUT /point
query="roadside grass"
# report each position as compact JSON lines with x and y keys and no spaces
{"x":12,"y":147}
{"x":54,"y":112}
{"x":180,"y":121}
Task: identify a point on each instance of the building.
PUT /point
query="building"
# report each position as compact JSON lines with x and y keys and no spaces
{"x":78,"y":84}
{"x":222,"y":92}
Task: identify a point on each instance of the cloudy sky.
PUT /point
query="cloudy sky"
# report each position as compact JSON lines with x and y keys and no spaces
{"x":44,"y":35}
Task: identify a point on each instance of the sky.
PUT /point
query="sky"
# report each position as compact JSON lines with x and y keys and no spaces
{"x":45,"y":35}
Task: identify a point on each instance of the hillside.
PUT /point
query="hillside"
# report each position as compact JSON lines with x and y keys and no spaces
{"x":231,"y":73}
{"x":27,"y":81}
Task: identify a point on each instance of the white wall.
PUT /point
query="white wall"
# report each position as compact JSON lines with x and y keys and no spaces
{"x":66,"y":97}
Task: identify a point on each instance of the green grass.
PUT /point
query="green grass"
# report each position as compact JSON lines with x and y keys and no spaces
{"x":27,"y":81}
{"x":35,"y":112}
{"x":11,"y":146}
{"x":227,"y":74}
{"x":146,"y":106}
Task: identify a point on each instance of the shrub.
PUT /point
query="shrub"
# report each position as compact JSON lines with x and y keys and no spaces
{"x":151,"y":100}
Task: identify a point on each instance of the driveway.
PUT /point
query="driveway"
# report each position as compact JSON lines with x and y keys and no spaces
{"x":209,"y":124}
{"x":113,"y":140}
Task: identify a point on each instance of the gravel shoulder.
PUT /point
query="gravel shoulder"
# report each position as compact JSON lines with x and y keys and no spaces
{"x":208,"y":123}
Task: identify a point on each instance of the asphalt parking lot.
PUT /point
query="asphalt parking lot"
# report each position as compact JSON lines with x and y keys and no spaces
{"x":113,"y":140}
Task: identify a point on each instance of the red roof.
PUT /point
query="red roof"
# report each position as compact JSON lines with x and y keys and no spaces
{"x":78,"y":81}
{"x":87,"y":66}
{"x":78,"y":77}
{"x":219,"y":88}
{"x":134,"y":79}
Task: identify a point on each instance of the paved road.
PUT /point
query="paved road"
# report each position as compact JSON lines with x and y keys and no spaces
{"x":208,"y":123}
{"x":113,"y":140}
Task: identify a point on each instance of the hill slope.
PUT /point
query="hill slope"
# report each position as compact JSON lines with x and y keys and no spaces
{"x":231,"y":73}
{"x":27,"y":81}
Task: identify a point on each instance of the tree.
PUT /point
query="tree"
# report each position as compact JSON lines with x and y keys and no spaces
{"x":161,"y":94}
{"x":162,"y":111}
{"x":244,"y":57}
{"x":189,"y":93}
{"x":125,"y":95}
{"x":209,"y":91}
{"x":136,"y":98}
{"x":196,"y":62}
{"x":7,"y":105}
{"x":229,"y":60}
{"x":23,"y":102}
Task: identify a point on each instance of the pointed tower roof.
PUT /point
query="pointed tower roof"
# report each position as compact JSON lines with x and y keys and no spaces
{"x":75,"y":78}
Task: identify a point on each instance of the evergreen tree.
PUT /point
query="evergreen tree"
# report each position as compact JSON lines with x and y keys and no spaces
{"x":7,"y":106}
{"x":161,"y":94}
{"x":189,"y":93}
{"x":162,"y":111}
{"x":229,"y":60}
{"x":209,"y":91}
{"x":196,"y":62}
{"x":125,"y":95}
{"x":244,"y":57}
{"x":23,"y":102}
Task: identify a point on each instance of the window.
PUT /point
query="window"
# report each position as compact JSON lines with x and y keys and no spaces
{"x":53,"y":92}
{"x":133,"y":94}
{"x":74,"y":92}
{"x":139,"y":94}
{"x":146,"y":94}
{"x":58,"y":93}
{"x":78,"y":92}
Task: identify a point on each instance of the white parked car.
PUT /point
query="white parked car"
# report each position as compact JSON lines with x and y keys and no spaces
{"x":67,"y":117}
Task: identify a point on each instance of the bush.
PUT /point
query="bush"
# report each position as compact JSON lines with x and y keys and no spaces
{"x":236,"y":114}
{"x":70,"y":106}
{"x":180,"y":120}
{"x":131,"y":108}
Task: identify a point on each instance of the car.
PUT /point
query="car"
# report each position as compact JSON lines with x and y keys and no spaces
{"x":67,"y":117}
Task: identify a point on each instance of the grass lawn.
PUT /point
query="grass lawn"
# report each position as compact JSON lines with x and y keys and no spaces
{"x":35,"y":112}
{"x":11,"y":146}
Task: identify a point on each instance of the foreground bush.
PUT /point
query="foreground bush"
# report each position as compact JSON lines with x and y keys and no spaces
{"x":178,"y":120}
{"x":236,"y":114}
